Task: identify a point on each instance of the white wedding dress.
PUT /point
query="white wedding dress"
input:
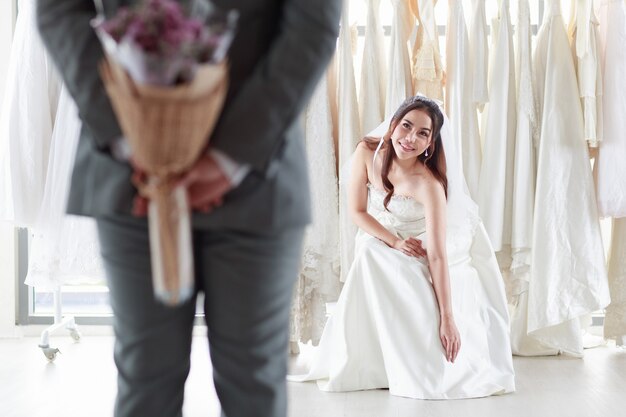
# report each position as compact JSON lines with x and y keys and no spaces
{"x":568,"y":277}
{"x":495,"y":184}
{"x":373,"y":71}
{"x":459,"y":103}
{"x":26,"y":122}
{"x":384,"y":331}
{"x":479,"y":52}
{"x":610,"y":169}
{"x":63,"y":248}
{"x":399,"y":81}
{"x":318,"y":282}
{"x":349,"y":132}
{"x":428,"y":74}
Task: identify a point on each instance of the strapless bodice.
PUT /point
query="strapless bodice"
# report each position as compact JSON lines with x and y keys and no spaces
{"x":404,"y":217}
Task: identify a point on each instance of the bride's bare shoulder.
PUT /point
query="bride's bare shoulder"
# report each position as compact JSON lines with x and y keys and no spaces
{"x":366,"y":146}
{"x":365,"y":150}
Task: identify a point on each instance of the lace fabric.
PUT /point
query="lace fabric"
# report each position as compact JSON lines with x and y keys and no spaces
{"x":428,"y":74}
{"x":64,"y":249}
{"x":318,"y":282}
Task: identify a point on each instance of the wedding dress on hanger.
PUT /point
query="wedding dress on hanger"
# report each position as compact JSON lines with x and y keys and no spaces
{"x":495,"y":185}
{"x":373,"y":71}
{"x":318,"y":282}
{"x":384,"y":330}
{"x":26,"y":121}
{"x":349,"y":132}
{"x":428,"y":74}
{"x":479,"y":53}
{"x":584,"y":38}
{"x":517,"y":279}
{"x":610,"y":169}
{"x":63,"y":248}
{"x":460,"y":106}
{"x":568,"y":273}
{"x":399,"y":81}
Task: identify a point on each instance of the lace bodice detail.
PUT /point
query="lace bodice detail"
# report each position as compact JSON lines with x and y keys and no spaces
{"x":405,"y":216}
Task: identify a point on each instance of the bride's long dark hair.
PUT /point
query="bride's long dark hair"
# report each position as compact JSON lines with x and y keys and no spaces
{"x":435,"y":162}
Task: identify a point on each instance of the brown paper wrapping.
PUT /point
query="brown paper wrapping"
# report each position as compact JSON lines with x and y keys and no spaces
{"x":167,"y":129}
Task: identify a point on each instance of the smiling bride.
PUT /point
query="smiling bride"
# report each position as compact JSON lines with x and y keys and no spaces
{"x":423,"y":310}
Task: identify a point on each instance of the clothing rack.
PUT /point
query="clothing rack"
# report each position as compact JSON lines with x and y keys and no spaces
{"x":25,"y":304}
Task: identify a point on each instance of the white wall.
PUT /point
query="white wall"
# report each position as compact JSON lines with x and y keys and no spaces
{"x":7,"y":232}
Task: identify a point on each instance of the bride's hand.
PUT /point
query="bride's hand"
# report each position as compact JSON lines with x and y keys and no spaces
{"x":411,"y":247}
{"x":450,"y":338}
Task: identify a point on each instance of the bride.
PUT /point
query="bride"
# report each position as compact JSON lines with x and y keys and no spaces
{"x":423,"y":310}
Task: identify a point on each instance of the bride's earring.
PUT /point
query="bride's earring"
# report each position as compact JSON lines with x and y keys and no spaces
{"x":426,"y":153}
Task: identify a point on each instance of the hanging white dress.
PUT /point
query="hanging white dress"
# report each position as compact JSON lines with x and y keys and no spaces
{"x":399,"y":81}
{"x":428,"y":74}
{"x":460,"y":106}
{"x":384,"y":330}
{"x":495,"y":186}
{"x":349,"y":134}
{"x":373,"y":71}
{"x":615,"y":318}
{"x":517,"y":279}
{"x":585,"y":42}
{"x":26,"y":121}
{"x":610,"y":169}
{"x":64,"y":248}
{"x":610,"y":172}
{"x":479,"y":53}
{"x":318,"y":282}
{"x":568,"y":274}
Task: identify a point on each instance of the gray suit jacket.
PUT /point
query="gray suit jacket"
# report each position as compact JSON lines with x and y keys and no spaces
{"x":280,"y":51}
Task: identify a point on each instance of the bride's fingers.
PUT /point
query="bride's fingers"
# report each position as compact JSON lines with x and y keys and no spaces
{"x":444,"y":342}
{"x":417,"y":247}
{"x":457,"y":348}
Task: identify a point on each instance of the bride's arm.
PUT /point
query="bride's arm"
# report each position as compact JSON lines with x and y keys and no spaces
{"x":357,"y":198}
{"x":435,"y":213}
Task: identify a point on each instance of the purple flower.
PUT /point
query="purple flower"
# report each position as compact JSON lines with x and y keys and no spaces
{"x":161,"y":31}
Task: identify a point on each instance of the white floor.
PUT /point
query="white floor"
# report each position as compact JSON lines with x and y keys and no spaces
{"x":81,"y":382}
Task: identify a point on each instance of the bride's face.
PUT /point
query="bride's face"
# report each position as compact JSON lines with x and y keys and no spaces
{"x":412,"y":135}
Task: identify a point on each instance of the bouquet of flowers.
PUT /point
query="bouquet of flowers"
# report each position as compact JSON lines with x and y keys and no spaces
{"x":166,"y":75}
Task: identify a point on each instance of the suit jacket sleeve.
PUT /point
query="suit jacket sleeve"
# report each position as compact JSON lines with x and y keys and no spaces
{"x":66,"y":32}
{"x":252,"y":127}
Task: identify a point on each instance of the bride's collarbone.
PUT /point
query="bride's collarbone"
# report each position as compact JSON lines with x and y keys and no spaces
{"x":409,"y":184}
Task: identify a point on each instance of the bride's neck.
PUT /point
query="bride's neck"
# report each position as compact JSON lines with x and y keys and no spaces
{"x":406,"y":166}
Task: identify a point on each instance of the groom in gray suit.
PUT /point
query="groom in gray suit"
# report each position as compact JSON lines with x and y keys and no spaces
{"x":250,"y":198}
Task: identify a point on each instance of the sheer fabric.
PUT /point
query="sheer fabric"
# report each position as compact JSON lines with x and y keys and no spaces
{"x":26,"y":122}
{"x":610,"y":169}
{"x":318,"y":282}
